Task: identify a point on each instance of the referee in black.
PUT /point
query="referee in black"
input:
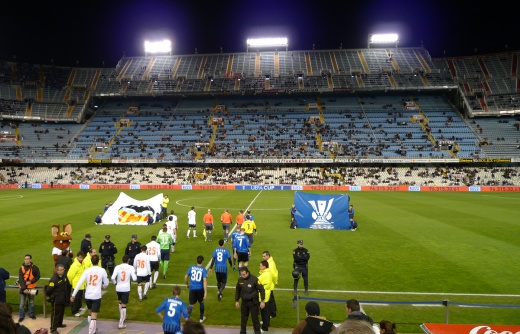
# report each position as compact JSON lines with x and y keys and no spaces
{"x":301,"y":258}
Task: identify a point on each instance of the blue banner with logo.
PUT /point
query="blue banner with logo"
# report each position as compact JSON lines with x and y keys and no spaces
{"x":326,"y":212}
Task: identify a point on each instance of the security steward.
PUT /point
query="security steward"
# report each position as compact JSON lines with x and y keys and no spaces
{"x":108,"y":250}
{"x":57,"y":292}
{"x":301,"y":258}
{"x":247,"y":288}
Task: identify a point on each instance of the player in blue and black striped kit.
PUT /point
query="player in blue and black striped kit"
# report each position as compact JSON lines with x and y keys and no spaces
{"x":219,"y":258}
{"x":196,"y":279}
{"x":172,"y":320}
{"x":241,"y":249}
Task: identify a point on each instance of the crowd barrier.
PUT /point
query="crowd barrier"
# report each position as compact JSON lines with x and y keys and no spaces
{"x":446,"y":303}
{"x":41,"y":292}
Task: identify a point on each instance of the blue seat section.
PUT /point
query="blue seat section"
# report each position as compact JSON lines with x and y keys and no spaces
{"x":303,"y":126}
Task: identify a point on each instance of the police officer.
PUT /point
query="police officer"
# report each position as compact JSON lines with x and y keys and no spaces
{"x":132,"y":249}
{"x":301,"y":258}
{"x":107,"y":251}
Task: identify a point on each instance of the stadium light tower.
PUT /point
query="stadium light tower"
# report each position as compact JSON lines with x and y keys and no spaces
{"x":158,"y":47}
{"x":383,"y":40}
{"x":267,"y":43}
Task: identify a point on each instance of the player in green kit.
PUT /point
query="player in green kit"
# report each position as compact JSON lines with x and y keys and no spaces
{"x":165,"y":241}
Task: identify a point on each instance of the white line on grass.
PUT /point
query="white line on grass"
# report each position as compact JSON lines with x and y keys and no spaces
{"x":412,"y":293}
{"x":381,"y":292}
{"x":8,"y":198}
{"x":179,"y":202}
{"x":359,"y":291}
{"x":233,"y":228}
{"x":248,"y":207}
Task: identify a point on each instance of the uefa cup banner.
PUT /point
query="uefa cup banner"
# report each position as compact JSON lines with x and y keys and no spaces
{"x":324,"y":212}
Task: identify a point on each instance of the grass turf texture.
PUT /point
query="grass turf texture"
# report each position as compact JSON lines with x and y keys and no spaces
{"x":420,"y":247}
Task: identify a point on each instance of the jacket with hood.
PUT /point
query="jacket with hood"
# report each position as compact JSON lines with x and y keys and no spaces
{"x":314,"y":325}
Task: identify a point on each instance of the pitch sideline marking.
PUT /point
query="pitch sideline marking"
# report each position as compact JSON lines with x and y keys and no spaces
{"x":179,"y":203}
{"x":385,"y":292}
{"x":8,"y":198}
{"x":233,"y":228}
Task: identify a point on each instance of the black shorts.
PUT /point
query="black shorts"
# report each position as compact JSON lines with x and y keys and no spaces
{"x":165,"y":255}
{"x":209,"y":227}
{"x":141,"y":279}
{"x":154,"y":265}
{"x":196,"y":296}
{"x":225,"y":226}
{"x":221,"y":277}
{"x":242,"y":257}
{"x":123,"y":297}
{"x":93,"y":304}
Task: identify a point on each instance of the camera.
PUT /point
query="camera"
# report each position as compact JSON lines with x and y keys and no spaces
{"x":32,"y":292}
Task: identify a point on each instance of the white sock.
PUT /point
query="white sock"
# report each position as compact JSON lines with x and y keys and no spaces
{"x":92,"y":327}
{"x":155,"y":276}
{"x":140,"y":291}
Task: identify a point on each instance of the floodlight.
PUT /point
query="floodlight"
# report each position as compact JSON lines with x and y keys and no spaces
{"x":267,"y":42}
{"x":383,"y":39}
{"x":164,"y":46}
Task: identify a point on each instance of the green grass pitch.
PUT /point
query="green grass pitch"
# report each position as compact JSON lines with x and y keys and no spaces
{"x":409,"y":247}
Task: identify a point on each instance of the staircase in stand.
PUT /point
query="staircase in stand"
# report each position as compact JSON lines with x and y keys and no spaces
{"x":392,"y":80}
{"x":483,"y":68}
{"x":452,"y":68}
{"x":483,"y":103}
{"x":514,"y":64}
{"x":308,"y":63}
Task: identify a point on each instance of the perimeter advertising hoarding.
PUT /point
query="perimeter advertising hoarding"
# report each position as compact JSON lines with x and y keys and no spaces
{"x":469,"y":329}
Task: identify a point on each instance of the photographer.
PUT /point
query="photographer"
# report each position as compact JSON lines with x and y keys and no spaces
{"x":28,"y":277}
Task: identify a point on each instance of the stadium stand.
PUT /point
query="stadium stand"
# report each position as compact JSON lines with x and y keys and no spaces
{"x":317,"y":107}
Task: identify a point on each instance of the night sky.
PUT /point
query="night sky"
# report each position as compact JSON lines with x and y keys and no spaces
{"x":97,"y":33}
